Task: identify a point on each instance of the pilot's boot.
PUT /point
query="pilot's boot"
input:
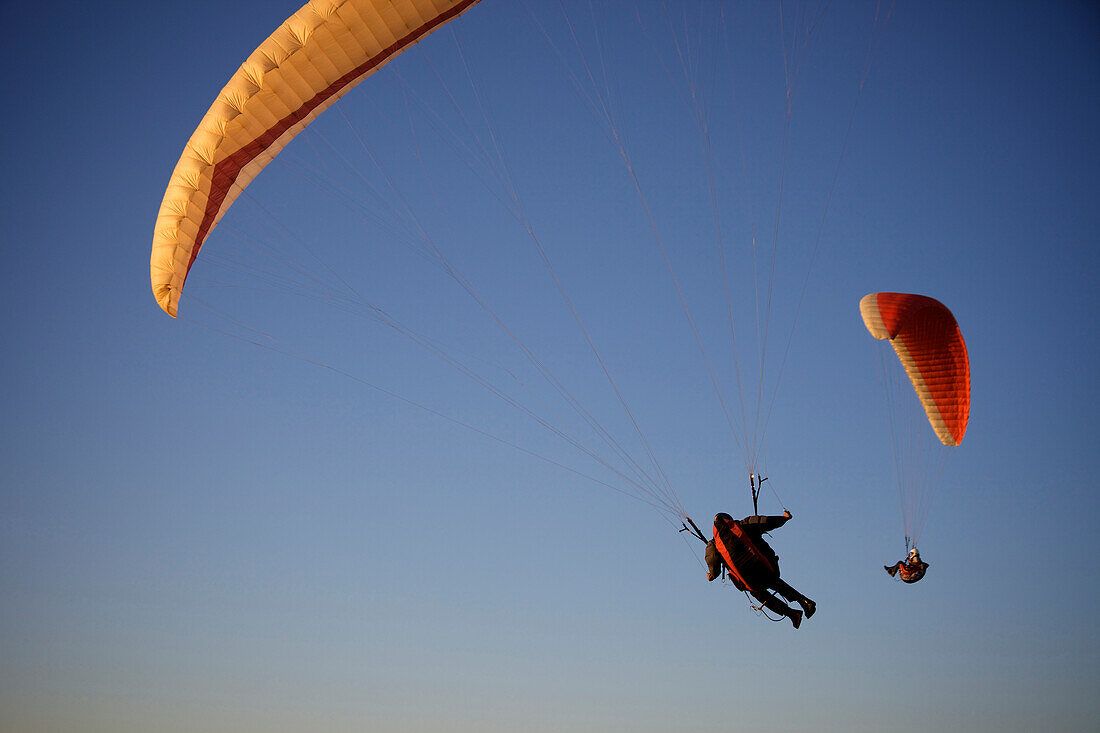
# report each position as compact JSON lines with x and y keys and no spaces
{"x":795,"y":616}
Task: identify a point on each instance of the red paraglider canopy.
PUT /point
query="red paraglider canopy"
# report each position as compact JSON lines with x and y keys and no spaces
{"x":930,"y":346}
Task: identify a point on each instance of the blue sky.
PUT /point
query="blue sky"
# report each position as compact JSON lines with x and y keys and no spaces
{"x":196,"y":533}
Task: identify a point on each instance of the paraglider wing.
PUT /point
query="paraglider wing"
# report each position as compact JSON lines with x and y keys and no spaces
{"x":928,"y":342}
{"x":305,"y":66}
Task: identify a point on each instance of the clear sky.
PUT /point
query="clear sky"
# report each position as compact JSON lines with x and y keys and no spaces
{"x":198,"y":532}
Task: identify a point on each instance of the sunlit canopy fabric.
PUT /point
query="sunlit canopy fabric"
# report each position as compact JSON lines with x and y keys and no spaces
{"x":306,"y":65}
{"x":930,"y":346}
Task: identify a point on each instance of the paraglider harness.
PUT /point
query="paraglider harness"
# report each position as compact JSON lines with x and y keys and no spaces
{"x":727,"y":567}
{"x":911,"y":572}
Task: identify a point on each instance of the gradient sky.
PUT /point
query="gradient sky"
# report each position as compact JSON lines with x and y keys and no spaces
{"x":199,"y":534}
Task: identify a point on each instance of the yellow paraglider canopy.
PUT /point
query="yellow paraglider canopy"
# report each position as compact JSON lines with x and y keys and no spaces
{"x":305,"y":66}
